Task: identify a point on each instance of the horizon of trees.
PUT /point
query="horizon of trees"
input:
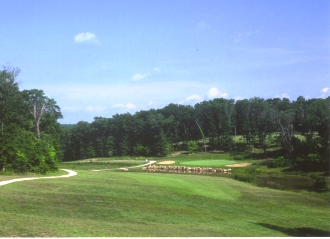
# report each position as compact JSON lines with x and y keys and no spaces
{"x":156,"y":132}
{"x":31,"y":139}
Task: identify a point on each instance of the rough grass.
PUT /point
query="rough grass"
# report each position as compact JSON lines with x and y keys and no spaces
{"x":140,"y":204}
{"x":128,"y":204}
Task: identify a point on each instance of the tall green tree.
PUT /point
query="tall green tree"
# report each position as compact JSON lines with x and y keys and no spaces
{"x":9,"y":96}
{"x":19,"y":151}
{"x":260,"y":121}
{"x":11,"y":116}
{"x":245,"y":125}
{"x":100,"y":135}
{"x":39,"y":105}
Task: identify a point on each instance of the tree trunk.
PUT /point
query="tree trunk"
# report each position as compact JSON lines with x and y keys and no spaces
{"x":37,"y":118}
{"x":38,"y":129}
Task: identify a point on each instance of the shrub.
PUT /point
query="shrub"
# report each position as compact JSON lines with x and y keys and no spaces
{"x":20,"y":164}
{"x":280,"y":162}
{"x":192,"y":146}
{"x":140,"y":150}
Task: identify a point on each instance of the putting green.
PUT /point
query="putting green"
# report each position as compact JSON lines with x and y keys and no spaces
{"x":210,"y":162}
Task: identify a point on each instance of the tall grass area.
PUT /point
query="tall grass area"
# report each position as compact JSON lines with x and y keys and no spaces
{"x":132,"y":204}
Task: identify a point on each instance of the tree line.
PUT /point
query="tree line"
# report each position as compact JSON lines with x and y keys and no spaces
{"x":30,"y":138}
{"x":301,"y":128}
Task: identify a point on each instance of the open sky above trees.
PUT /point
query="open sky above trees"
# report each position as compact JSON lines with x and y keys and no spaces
{"x":99,"y":58}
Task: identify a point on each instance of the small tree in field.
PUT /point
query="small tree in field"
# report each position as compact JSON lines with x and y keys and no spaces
{"x":192,"y":146}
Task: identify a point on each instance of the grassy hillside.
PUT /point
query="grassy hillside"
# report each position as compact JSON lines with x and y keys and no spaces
{"x":135,"y":204}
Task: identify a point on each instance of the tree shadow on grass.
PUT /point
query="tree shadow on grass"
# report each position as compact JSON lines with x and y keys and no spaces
{"x":298,"y":232}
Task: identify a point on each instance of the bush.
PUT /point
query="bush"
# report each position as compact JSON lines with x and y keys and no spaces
{"x":141,"y":150}
{"x":20,"y":164}
{"x":44,"y":158}
{"x":280,"y":162}
{"x":192,"y":146}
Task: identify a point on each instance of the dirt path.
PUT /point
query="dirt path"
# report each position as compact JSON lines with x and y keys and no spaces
{"x":70,"y":174}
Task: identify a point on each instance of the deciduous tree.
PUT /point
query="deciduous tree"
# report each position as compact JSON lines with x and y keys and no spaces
{"x":38,"y":105}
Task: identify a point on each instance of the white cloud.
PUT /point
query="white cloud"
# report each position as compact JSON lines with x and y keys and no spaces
{"x":95,"y":108}
{"x":285,"y":95}
{"x":214,"y":93}
{"x":325,"y":90}
{"x":138,"y":76}
{"x":128,"y":106}
{"x":194,"y":97}
{"x":86,"y":37}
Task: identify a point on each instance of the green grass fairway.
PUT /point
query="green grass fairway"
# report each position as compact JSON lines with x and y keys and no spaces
{"x":132,"y":204}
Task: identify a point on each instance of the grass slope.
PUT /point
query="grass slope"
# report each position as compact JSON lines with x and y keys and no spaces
{"x":130,"y":204}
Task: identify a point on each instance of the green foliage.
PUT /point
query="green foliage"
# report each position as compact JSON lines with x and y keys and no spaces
{"x":192,"y":146}
{"x":20,"y":163}
{"x":141,"y":151}
{"x":226,"y":142}
{"x":266,"y":128}
{"x":280,"y":162}
{"x":31,"y":139}
{"x":45,"y":158}
{"x":24,"y":148}
{"x":311,"y":162}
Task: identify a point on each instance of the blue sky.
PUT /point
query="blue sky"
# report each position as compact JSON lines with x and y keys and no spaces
{"x":103,"y":57}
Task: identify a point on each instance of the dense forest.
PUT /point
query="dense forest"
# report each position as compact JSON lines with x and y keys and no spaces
{"x":33,"y":140}
{"x":30,"y":139}
{"x":301,"y":128}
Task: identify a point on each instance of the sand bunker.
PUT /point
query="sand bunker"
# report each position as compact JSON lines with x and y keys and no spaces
{"x":166,"y":162}
{"x":237,"y":165}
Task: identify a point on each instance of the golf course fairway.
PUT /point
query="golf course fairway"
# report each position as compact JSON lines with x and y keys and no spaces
{"x":130,"y":204}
